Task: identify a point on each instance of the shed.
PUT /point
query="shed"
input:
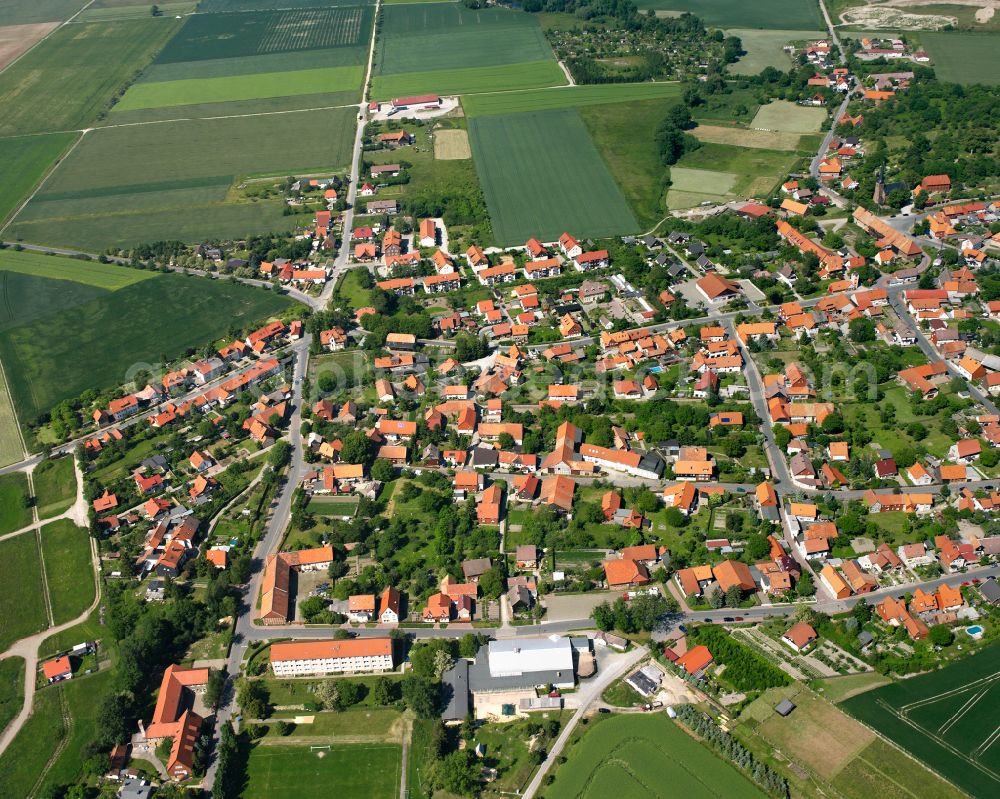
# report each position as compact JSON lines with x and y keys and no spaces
{"x":784,"y":707}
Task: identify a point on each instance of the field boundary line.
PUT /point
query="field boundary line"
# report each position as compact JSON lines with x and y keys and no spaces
{"x":959,"y":714}
{"x":43,"y":180}
{"x":986,"y":744}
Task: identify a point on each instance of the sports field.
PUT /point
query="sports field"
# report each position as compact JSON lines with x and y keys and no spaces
{"x":542,"y":175}
{"x":68,"y":79}
{"x":45,"y":324}
{"x":95,"y":198}
{"x":566,"y":97}
{"x":368,"y":770}
{"x":964,"y":57}
{"x":241,"y":87}
{"x":55,"y":486}
{"x":946,"y":719}
{"x":640,"y":757}
{"x":460,"y":51}
{"x":764,"y":48}
{"x":740,"y":14}
{"x":22,"y":611}
{"x":68,"y":571}
{"x":789,"y":117}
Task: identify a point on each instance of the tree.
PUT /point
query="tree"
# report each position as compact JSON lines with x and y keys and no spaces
{"x":805,"y":586}
{"x":383,"y":691}
{"x":716,"y":599}
{"x":861,"y":329}
{"x":216,"y":684}
{"x":253,"y":696}
{"x":733,"y":596}
{"x":421,"y":696}
{"x":328,"y":694}
{"x":757,"y":547}
{"x":284,"y":728}
{"x":382,"y":470}
{"x":604,"y":617}
{"x":458,"y":773}
{"x":941,"y":635}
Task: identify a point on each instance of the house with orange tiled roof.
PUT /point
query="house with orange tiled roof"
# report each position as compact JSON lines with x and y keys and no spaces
{"x":622,"y":573}
{"x":173,"y":718}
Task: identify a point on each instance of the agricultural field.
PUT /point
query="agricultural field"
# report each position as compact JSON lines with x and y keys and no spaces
{"x":102,"y":11}
{"x":68,"y":572}
{"x":644,"y":756}
{"x":22,"y":612}
{"x":14,"y":513}
{"x":566,"y":97}
{"x":541,"y":175}
{"x":369,"y":770}
{"x":67,"y":81}
{"x":24,"y":160}
{"x":197,"y":91}
{"x":223,"y":6}
{"x":452,"y":145}
{"x":946,"y":719}
{"x":26,"y":12}
{"x":55,"y":486}
{"x":964,"y":57}
{"x":462,"y":51}
{"x":16,"y":40}
{"x":212,"y":36}
{"x":818,"y":746}
{"x":93,"y":200}
{"x":776,"y":14}
{"x":764,"y":48}
{"x":40,"y":339}
{"x":533,"y":75}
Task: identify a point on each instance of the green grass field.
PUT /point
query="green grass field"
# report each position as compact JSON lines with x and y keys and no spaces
{"x":963,"y":57}
{"x":40,"y":347}
{"x":724,"y":172}
{"x":452,"y":36}
{"x":11,"y":689}
{"x":68,"y":79}
{"x":241,"y":87}
{"x":55,"y":486}
{"x":789,"y":117}
{"x":764,"y":48}
{"x":24,"y":160}
{"x":624,"y":136}
{"x":368,"y":770}
{"x":469,"y":80}
{"x":211,"y":36}
{"x":566,"y":97}
{"x":68,"y":573}
{"x":641,"y":757}
{"x":256,"y":64}
{"x":945,"y":719}
{"x":14,"y":514}
{"x":96,"y":13}
{"x":11,"y":448}
{"x":22,"y":612}
{"x":737,"y":14}
{"x":103,"y":276}
{"x":222,"y":6}
{"x":542,"y":175}
{"x":25,"y":767}
{"x":95,"y":200}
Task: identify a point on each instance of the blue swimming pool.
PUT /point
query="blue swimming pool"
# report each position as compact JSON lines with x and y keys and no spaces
{"x":975,"y":630}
